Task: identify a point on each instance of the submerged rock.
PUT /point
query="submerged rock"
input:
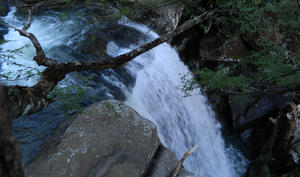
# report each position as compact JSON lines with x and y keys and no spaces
{"x":109,"y":139}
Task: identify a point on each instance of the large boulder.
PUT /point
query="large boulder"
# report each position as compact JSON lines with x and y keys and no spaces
{"x":247,"y":110}
{"x":108,"y":139}
{"x":162,"y":18}
{"x":95,"y":41}
{"x":166,"y":20}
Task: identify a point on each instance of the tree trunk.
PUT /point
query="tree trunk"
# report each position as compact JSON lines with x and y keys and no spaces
{"x":10,"y":156}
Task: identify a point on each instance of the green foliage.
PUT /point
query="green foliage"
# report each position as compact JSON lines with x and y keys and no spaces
{"x":220,"y":80}
{"x":272,"y":66}
{"x":71,"y":95}
{"x":111,"y":108}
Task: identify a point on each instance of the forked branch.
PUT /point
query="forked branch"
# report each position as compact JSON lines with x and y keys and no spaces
{"x":179,"y":166}
{"x":56,"y":71}
{"x":41,"y":58}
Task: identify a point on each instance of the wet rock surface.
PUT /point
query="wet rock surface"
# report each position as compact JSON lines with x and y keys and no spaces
{"x":109,"y":139}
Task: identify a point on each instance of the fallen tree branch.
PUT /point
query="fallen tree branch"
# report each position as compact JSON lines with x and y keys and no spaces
{"x":122,"y":59}
{"x":179,"y":166}
{"x":25,"y":28}
{"x":18,"y":100}
{"x":56,"y":71}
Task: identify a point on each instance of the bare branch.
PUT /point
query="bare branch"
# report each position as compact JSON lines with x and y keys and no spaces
{"x":41,"y":58}
{"x":17,"y":100}
{"x":122,"y":59}
{"x":25,"y":28}
{"x":35,"y":99}
{"x":209,"y":26}
{"x":179,"y":166}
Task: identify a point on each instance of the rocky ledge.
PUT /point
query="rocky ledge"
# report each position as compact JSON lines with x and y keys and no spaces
{"x":108,"y":139}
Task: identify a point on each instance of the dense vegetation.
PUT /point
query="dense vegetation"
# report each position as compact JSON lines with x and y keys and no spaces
{"x":272,"y":31}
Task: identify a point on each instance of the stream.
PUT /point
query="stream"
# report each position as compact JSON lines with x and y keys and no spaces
{"x":149,"y":84}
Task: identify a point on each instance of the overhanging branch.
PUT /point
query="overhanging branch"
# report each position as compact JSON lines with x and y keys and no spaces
{"x":35,"y":97}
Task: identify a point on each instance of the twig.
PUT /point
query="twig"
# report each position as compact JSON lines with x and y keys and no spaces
{"x":179,"y":166}
{"x":207,"y":30}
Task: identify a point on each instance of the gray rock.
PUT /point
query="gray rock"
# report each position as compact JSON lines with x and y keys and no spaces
{"x":166,"y":20}
{"x":258,"y":168}
{"x":247,"y":110}
{"x":163,"y":164}
{"x":109,"y":139}
{"x":162,"y":19}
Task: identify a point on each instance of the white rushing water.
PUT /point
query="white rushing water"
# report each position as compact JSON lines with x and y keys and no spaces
{"x":182,"y":122}
{"x":50,"y":31}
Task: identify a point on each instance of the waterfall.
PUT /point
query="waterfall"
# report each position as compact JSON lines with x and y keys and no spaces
{"x":182,"y":122}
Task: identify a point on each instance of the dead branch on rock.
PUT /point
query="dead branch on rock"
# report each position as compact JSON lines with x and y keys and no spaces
{"x":179,"y":166}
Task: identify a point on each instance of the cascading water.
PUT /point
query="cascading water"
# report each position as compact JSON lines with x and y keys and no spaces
{"x":182,"y":122}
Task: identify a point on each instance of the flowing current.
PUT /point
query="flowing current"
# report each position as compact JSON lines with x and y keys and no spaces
{"x":149,"y":85}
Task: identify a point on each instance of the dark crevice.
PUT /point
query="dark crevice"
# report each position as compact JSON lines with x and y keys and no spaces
{"x":153,"y":163}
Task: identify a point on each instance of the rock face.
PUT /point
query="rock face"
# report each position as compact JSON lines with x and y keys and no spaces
{"x":162,"y":18}
{"x":247,"y":110}
{"x":166,"y":20}
{"x":109,"y":139}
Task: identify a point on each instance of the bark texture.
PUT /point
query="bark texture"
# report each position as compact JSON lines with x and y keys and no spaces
{"x":10,"y":156}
